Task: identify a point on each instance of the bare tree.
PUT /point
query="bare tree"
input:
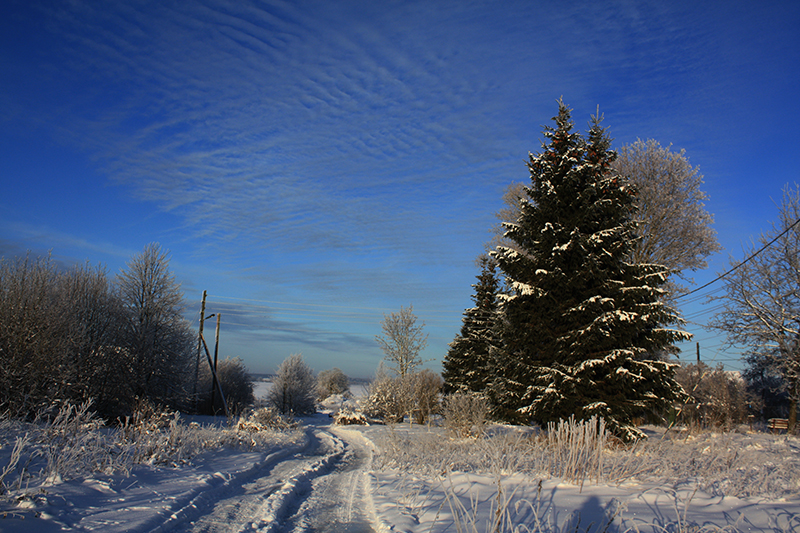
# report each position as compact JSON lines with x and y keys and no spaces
{"x":59,"y":337}
{"x":332,"y":381}
{"x":761,"y":306}
{"x":159,"y":339}
{"x":402,"y":341}
{"x":674,"y":229}
{"x":33,"y":330}
{"x":294,"y":388}
{"x":98,"y":368}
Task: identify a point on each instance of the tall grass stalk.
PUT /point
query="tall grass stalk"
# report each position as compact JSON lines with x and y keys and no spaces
{"x":13,"y":463}
{"x":468,"y":519}
{"x":72,"y":442}
{"x":577,"y":449}
{"x":723,"y":464}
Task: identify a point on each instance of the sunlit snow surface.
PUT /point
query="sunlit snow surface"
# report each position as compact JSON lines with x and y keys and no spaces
{"x":339,"y":479}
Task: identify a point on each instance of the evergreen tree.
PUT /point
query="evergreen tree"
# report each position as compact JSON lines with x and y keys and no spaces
{"x":466,"y":365}
{"x":582,"y":325}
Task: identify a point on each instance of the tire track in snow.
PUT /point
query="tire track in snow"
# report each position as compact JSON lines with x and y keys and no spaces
{"x":279,"y":511}
{"x":207,"y":498}
{"x":321,"y":487}
{"x":340,"y":501}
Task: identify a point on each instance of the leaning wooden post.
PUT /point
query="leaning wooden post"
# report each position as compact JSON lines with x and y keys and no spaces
{"x":214,"y":382}
{"x":199,"y":350}
{"x":211,"y":366}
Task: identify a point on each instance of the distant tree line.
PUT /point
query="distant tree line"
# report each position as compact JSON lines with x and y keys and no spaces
{"x":77,"y":335}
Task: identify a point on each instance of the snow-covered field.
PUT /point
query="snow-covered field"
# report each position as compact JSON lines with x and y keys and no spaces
{"x":322,"y":477}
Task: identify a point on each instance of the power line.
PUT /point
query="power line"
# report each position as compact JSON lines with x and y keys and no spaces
{"x":720,"y":347}
{"x":784,"y":232}
{"x":691,"y":318}
{"x":382,"y":309}
{"x":700,"y":297}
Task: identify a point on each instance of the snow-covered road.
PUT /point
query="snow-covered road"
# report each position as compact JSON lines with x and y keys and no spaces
{"x":339,"y":500}
{"x":321,"y":488}
{"x":328,"y":478}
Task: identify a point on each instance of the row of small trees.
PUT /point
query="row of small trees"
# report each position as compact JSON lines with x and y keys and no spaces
{"x":295,"y":390}
{"x":399,"y":390}
{"x":77,"y":335}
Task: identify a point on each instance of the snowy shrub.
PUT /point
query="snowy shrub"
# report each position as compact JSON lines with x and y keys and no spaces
{"x":346,"y":417}
{"x":330,"y":382}
{"x":716,"y":397}
{"x":265,"y":418}
{"x":236,"y":384}
{"x":293,"y":390}
{"x":73,"y":443}
{"x":425,"y":389}
{"x":384,"y":400}
{"x":416,"y":395}
{"x":465,"y":414}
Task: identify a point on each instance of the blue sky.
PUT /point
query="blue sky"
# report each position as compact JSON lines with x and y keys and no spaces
{"x":316,"y":164}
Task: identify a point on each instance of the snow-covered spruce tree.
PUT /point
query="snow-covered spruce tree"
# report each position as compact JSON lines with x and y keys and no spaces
{"x":466,"y":364}
{"x":582,"y":323}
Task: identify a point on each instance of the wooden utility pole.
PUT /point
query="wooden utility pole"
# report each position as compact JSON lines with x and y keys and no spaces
{"x":698,"y":354}
{"x":199,"y":349}
{"x":214,"y":373}
{"x":211,"y":366}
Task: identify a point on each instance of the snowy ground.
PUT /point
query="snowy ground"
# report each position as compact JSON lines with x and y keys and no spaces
{"x":492,"y":489}
{"x":378,"y":478}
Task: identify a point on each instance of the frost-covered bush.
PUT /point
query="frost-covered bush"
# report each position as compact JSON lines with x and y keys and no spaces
{"x":716,"y":397}
{"x":425,"y":388}
{"x":416,"y":395}
{"x":72,"y":445}
{"x":330,"y":382}
{"x":384,"y":400}
{"x":294,"y":389}
{"x":71,"y":442}
{"x":264,"y":419}
{"x":236,"y":384}
{"x":465,"y":414}
{"x":347,"y":417}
